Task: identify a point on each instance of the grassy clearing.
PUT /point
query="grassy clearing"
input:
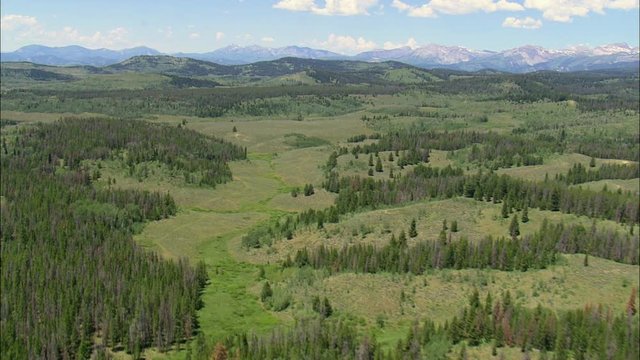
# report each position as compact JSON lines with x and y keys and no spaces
{"x":301,"y":141}
{"x":475,"y":220}
{"x":320,"y":200}
{"x":556,"y":164}
{"x":562,"y":287}
{"x":632,"y":185}
{"x":185,"y":234}
{"x":266,"y":134}
{"x":39,"y":117}
{"x":348,"y":165}
{"x":228,"y":305}
{"x":298,"y":167}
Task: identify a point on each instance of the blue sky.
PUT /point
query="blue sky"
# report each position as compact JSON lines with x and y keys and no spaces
{"x":346,"y":26}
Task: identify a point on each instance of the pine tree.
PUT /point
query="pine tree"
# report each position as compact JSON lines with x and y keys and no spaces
{"x":413,"y":232}
{"x":266,"y":292}
{"x":454,"y":226}
{"x":327,"y":310}
{"x":586,"y":260}
{"x":505,"y":210}
{"x":631,"y":304}
{"x":379,"y":165}
{"x":555,"y":200}
{"x":514,"y":227}
{"x":525,"y":214}
{"x":370,"y":172}
{"x":308,"y":190}
{"x":592,"y":162}
{"x":370,"y":159}
{"x":235,"y":129}
{"x":402,"y":239}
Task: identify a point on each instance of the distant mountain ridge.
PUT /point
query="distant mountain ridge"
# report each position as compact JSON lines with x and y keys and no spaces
{"x":238,"y":55}
{"x":521,"y":59}
{"x":74,"y":55}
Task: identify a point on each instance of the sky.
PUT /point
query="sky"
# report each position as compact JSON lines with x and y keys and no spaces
{"x":344,"y":26}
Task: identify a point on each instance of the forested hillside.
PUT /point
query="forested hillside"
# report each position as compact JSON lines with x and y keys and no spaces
{"x":71,"y":272}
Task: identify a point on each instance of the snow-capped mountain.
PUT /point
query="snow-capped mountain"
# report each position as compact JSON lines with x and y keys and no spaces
{"x":613,"y":49}
{"x":521,"y":59}
{"x":385,"y":55}
{"x":234,"y":54}
{"x":426,"y":56}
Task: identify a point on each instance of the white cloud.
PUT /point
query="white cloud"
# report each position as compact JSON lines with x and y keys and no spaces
{"x":331,"y":7}
{"x":346,"y":44}
{"x":295,"y":5}
{"x":268,"y":39}
{"x":70,"y":35}
{"x":27,"y":29}
{"x":194,"y":35}
{"x":13,"y":21}
{"x":219,"y":35}
{"x":245,"y":37}
{"x":565,"y":10}
{"x":167,"y":32}
{"x":555,"y":10}
{"x":455,"y":7}
{"x":522,"y":23}
{"x":411,"y":42}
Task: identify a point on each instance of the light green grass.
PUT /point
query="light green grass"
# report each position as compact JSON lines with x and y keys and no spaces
{"x":298,"y":167}
{"x":556,"y":164}
{"x":348,"y":165}
{"x":632,"y":185}
{"x":266,"y":135}
{"x":476,"y":220}
{"x":440,"y":295}
{"x":39,"y":117}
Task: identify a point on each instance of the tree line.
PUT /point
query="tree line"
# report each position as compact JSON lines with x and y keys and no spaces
{"x":425,"y":182}
{"x":579,"y":174}
{"x":536,"y":251}
{"x":203,"y":102}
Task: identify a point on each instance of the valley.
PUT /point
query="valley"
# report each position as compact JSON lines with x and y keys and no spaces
{"x":270,"y":161}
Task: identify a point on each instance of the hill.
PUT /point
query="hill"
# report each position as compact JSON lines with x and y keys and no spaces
{"x":527,"y":58}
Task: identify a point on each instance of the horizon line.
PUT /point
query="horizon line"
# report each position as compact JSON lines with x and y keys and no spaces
{"x":588,"y":46}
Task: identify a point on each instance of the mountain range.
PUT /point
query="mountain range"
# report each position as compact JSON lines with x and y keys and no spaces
{"x":522,"y":59}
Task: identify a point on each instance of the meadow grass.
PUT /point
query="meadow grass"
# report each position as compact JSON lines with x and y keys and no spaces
{"x":632,"y":185}
{"x":555,"y":164}
{"x":476,"y":220}
{"x":438,"y":295}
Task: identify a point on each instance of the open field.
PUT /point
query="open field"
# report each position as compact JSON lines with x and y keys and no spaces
{"x":476,"y":220}
{"x":632,"y":185}
{"x":556,"y":164}
{"x":399,"y":299}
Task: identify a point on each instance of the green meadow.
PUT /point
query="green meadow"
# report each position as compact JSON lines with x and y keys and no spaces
{"x":285,"y":152}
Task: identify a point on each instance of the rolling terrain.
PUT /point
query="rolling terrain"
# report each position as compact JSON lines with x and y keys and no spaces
{"x":526,"y":58}
{"x":325,"y":208}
